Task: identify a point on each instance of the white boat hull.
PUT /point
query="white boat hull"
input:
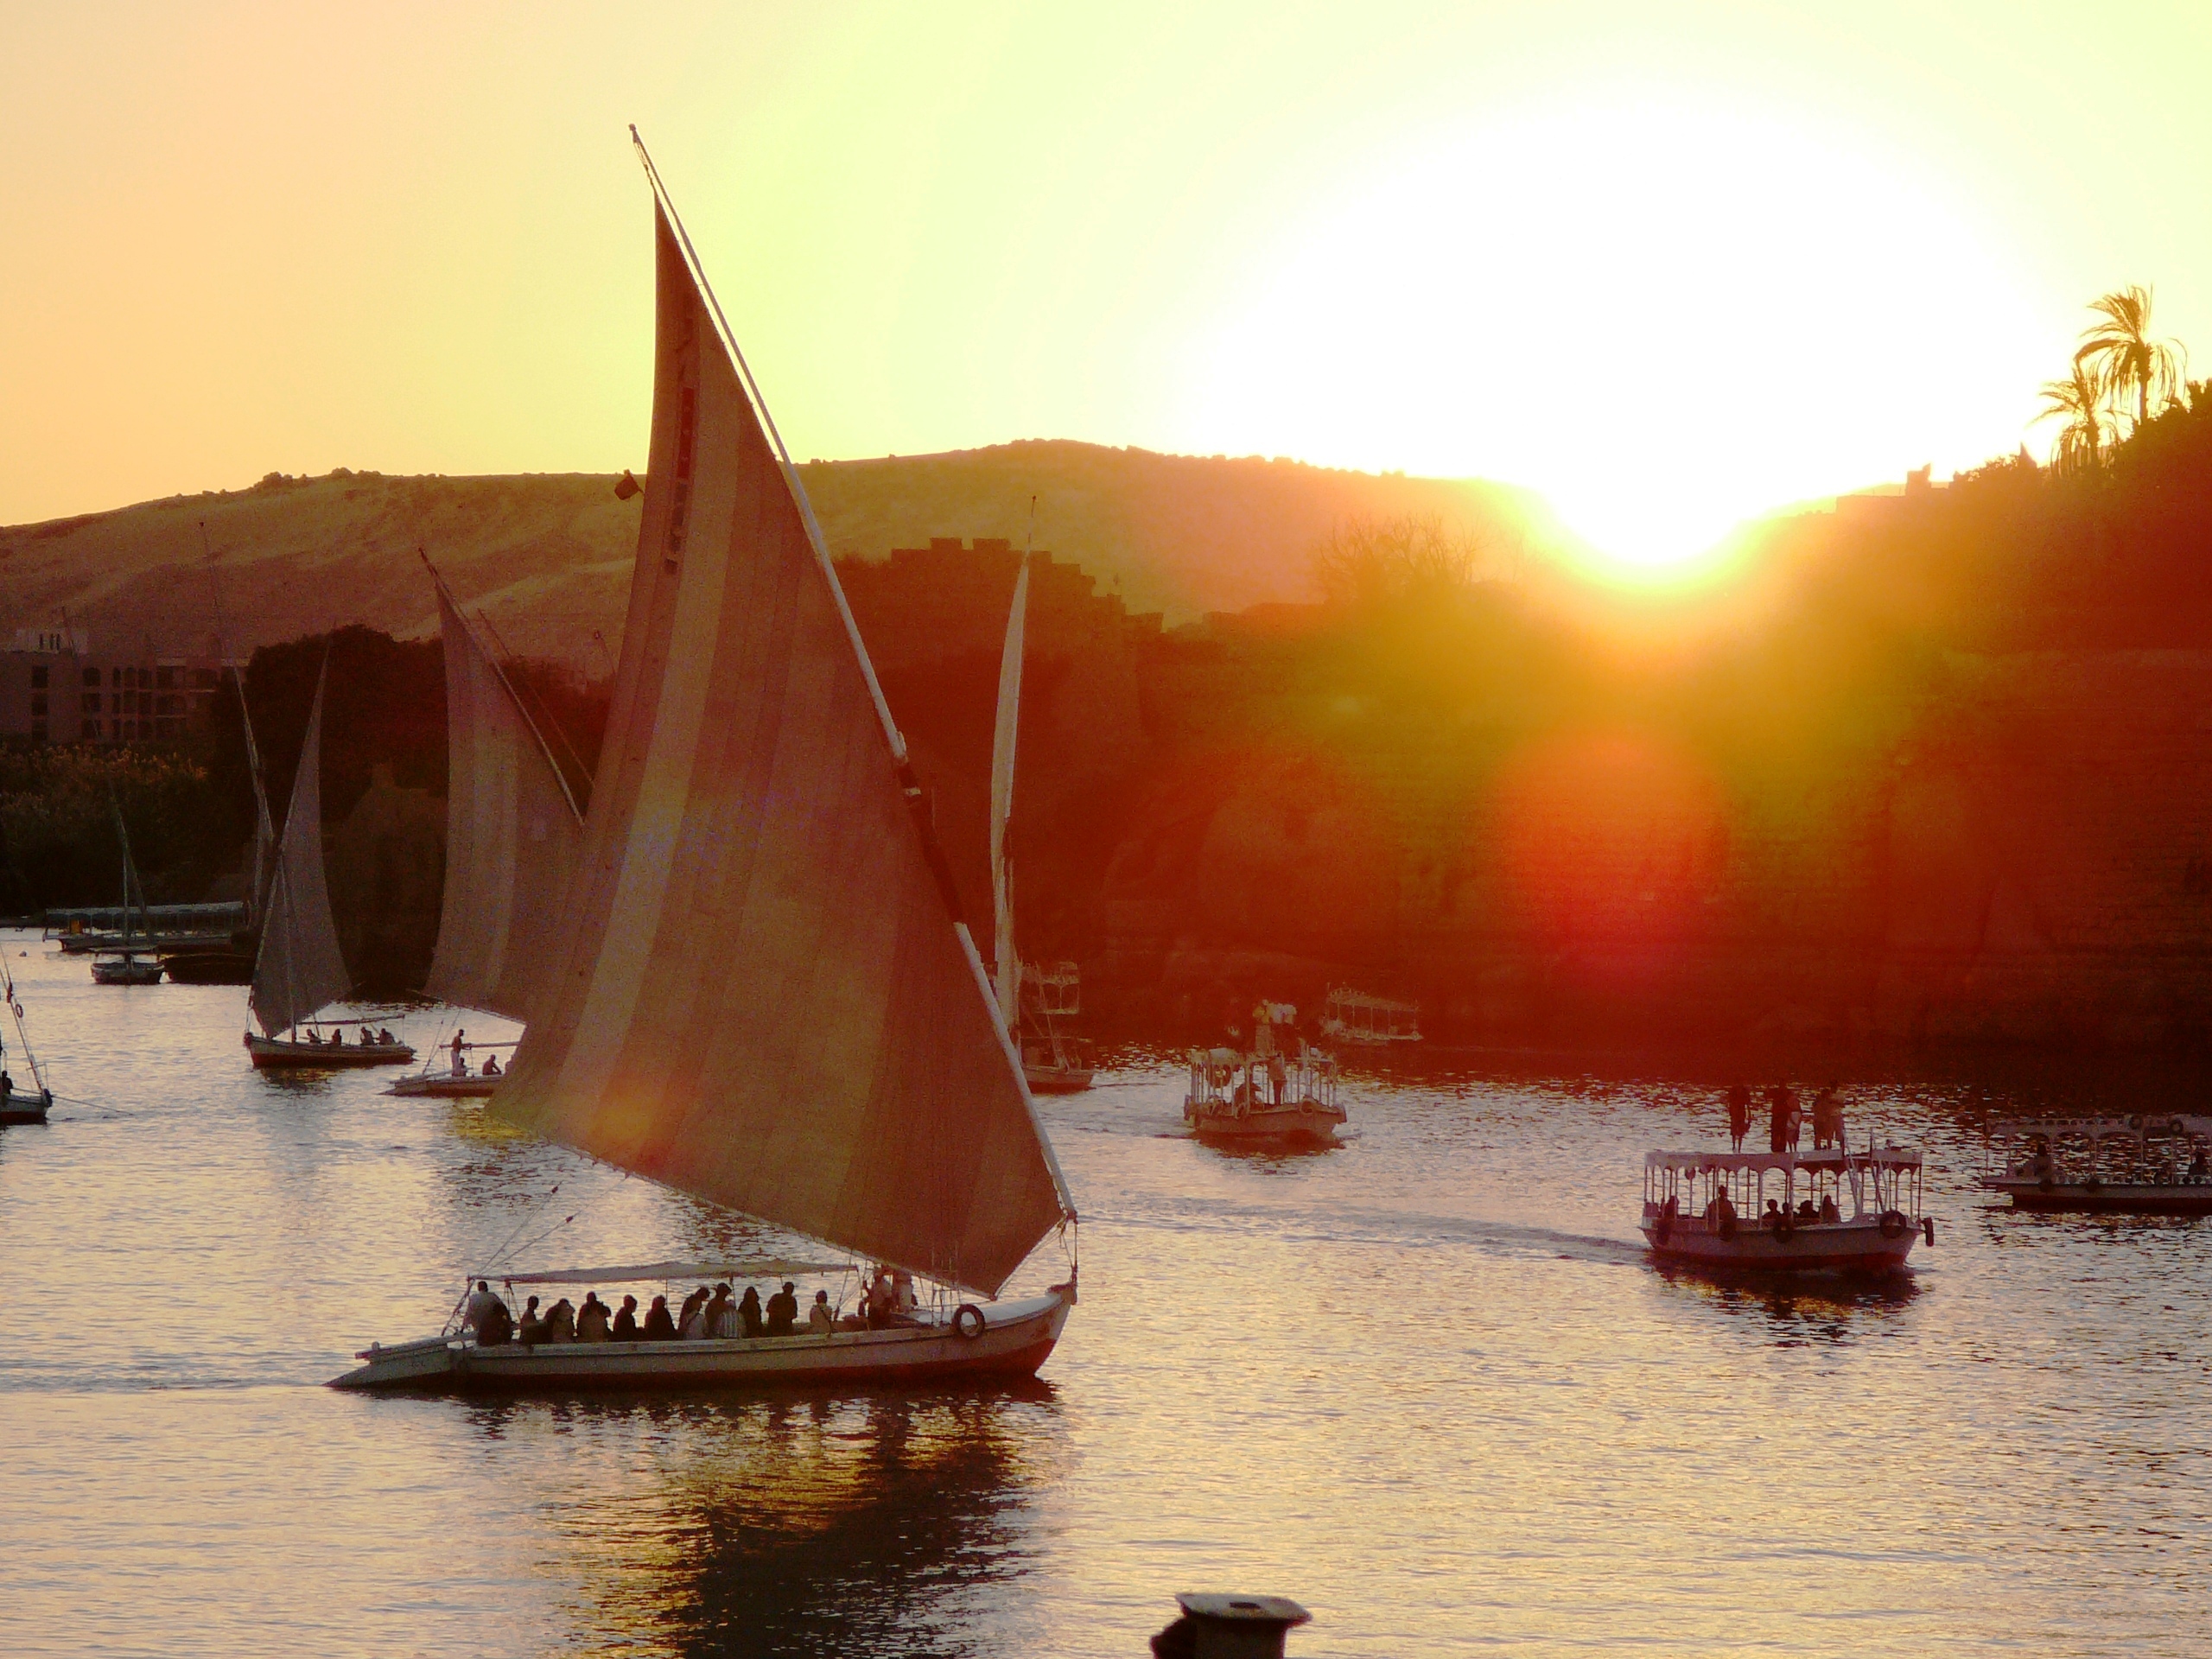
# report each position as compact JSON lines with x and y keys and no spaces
{"x":1306,"y":1124}
{"x":1016,"y":1339}
{"x":445,"y":1088}
{"x":1860,"y":1246}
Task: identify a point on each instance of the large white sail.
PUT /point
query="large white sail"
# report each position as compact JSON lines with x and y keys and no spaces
{"x":299,"y":969}
{"x":1006,"y":957}
{"x":759,"y":989}
{"x":513,"y":836}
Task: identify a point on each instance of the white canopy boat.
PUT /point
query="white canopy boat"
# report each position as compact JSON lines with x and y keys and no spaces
{"x":2151,"y":1163}
{"x":1264,"y":1096}
{"x":1350,"y":1016}
{"x":299,"y":970}
{"x":1055,"y":1061}
{"x":759,"y":989}
{"x":1831,"y":1211}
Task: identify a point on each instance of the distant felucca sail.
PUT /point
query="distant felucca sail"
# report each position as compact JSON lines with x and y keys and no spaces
{"x":761,"y":992}
{"x":1006,"y":957}
{"x":513,"y":834}
{"x":299,"y":970}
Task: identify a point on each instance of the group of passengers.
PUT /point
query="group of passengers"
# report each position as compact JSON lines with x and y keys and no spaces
{"x":461,"y":1046}
{"x":1720,"y":1211}
{"x":1786,"y":1118}
{"x":337,"y":1038}
{"x":705,"y":1313}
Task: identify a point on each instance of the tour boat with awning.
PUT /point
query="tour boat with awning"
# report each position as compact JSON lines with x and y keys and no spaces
{"x":1268,"y":1095}
{"x":1832,"y":1210}
{"x":758,"y":989}
{"x":2151,"y":1163}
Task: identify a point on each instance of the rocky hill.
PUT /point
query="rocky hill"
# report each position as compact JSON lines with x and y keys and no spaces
{"x":547,"y":556}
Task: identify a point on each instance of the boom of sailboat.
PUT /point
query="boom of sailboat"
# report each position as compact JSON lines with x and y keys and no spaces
{"x":757,"y":988}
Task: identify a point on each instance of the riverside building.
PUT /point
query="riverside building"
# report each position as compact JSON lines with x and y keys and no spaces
{"x":55,"y":688}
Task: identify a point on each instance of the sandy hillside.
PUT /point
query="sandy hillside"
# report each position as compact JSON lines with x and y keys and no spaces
{"x":547,"y":556}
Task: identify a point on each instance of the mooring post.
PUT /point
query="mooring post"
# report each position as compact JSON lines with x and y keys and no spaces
{"x":1229,"y":1627}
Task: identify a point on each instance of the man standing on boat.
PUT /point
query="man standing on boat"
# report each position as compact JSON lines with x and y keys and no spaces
{"x":459,"y":1045}
{"x":1740,"y":1116}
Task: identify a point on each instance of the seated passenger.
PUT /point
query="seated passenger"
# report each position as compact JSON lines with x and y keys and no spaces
{"x":902,"y":1292}
{"x":1724,"y":1209}
{"x":659,"y":1326}
{"x":692,"y":1322}
{"x":819,"y":1317}
{"x":497,"y":1325}
{"x":315,"y":1037}
{"x":1806,"y":1209}
{"x":626,"y":1321}
{"x":532,"y":1329}
{"x":783,"y":1312}
{"x":880,"y":1305}
{"x":560,"y":1323}
{"x":719,"y":1318}
{"x":1772,"y":1218}
{"x":491,"y":1065}
{"x":480,"y":1302}
{"x":1828,"y":1211}
{"x":591,"y":1319}
{"x":383,"y":1034}
{"x":748,"y":1312}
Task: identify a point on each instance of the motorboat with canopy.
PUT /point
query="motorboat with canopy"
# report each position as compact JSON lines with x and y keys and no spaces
{"x":2153,"y":1163}
{"x":299,"y":970}
{"x":760,"y":990}
{"x":1035,"y":1007}
{"x":1268,"y":1095}
{"x":1350,"y":1016}
{"x":1832,"y":1210}
{"x":513,"y":836}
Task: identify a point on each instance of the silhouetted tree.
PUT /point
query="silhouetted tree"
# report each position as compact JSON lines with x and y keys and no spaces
{"x":2079,"y":401}
{"x":2121,"y":357}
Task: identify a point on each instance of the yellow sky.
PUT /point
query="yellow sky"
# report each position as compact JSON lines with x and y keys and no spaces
{"x":1670,"y":264}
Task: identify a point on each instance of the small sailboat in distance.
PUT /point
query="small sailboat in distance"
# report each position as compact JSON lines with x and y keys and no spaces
{"x":1054,"y":1060}
{"x":299,"y":969}
{"x":760,"y":991}
{"x":19,"y":1105}
{"x":513,"y":836}
{"x":123,"y":965}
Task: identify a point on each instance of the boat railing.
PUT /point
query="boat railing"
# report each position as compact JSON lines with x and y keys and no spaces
{"x":1239,"y":1082}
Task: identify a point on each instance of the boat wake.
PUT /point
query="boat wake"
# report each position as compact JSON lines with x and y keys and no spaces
{"x":1397,"y":1228}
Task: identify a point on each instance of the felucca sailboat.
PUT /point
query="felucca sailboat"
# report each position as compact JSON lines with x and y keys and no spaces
{"x":1052,"y":1060}
{"x":760,"y":990}
{"x":513,"y":836}
{"x":299,"y":970}
{"x":125,"y":966}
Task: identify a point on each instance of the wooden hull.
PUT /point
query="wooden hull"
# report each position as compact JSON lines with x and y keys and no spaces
{"x":445,"y":1088}
{"x":1858,"y":1247}
{"x":2179,"y":1198}
{"x":1057,"y":1080}
{"x":1017,"y":1338}
{"x":1302,"y":1125}
{"x":279,"y":1054}
{"x":19,"y":1109}
{"x":214,"y":967}
{"x":121,"y":970}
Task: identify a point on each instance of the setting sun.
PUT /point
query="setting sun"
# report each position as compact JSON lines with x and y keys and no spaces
{"x":1666,"y":317}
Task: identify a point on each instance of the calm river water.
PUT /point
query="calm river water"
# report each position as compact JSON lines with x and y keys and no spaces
{"x":1425,"y":1383}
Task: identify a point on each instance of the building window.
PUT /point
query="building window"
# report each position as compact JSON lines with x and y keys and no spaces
{"x":92,"y":702}
{"x":38,"y":704}
{"x":91,"y":729}
{"x":168,"y":705}
{"x":203,"y":679}
{"x":38,"y":677}
{"x":92,"y":678}
{"x":115,"y":676}
{"x":38,"y":731}
{"x":165,"y":679}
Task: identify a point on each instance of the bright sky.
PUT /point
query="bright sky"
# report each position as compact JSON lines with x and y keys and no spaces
{"x":1670,"y":264}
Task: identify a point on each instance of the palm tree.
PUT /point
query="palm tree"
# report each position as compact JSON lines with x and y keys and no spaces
{"x":2122,"y":357}
{"x":2079,"y":403}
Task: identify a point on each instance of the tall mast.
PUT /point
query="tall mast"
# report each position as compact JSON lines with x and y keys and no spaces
{"x":265,"y":831}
